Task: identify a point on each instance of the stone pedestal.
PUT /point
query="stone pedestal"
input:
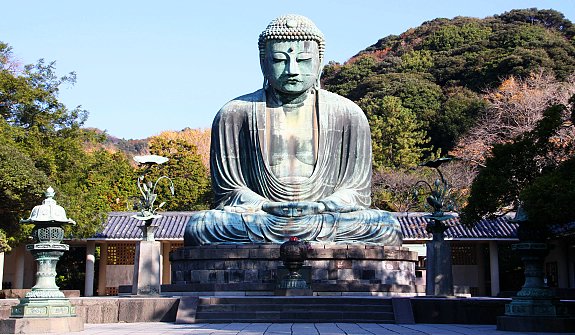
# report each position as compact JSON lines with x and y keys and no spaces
{"x":439,"y":276}
{"x":147,"y":268}
{"x":331,"y":269}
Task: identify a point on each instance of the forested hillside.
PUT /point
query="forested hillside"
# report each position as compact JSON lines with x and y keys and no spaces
{"x":431,"y":81}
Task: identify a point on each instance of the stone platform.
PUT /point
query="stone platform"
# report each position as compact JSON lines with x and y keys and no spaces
{"x":331,"y":269}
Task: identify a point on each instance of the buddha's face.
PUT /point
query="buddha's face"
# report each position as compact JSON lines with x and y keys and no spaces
{"x":291,"y":67}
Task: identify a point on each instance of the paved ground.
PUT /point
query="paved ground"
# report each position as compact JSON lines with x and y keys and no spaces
{"x":160,"y":328}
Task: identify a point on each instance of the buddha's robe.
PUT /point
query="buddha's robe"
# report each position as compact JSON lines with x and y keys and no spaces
{"x":242,"y":181}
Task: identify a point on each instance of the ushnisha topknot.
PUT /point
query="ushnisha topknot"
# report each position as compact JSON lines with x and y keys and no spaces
{"x":291,"y":27}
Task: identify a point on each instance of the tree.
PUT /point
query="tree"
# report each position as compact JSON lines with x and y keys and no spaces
{"x":45,"y":144}
{"x":21,"y":185}
{"x":456,"y":117}
{"x":185,"y":168}
{"x":104,"y":182}
{"x":549,"y":198}
{"x":396,"y":134}
{"x":199,"y":138}
{"x":349,"y":75}
{"x":515,"y":108}
{"x":516,"y":165}
{"x":393,"y":189}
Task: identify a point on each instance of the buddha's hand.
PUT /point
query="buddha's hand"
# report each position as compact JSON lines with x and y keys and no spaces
{"x":293,"y":209}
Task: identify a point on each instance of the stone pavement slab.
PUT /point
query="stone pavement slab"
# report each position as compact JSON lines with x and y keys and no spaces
{"x":163,"y":328}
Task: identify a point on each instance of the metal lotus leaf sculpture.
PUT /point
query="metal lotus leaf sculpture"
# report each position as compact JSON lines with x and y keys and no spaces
{"x":147,"y":209}
{"x":440,"y":197}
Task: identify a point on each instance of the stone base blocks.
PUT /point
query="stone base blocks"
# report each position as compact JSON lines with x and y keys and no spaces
{"x":331,"y":269}
{"x":41,"y":325}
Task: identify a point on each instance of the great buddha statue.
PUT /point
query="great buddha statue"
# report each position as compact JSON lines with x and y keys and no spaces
{"x":291,"y":159}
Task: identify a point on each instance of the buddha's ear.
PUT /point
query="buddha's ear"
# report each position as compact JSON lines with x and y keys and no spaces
{"x":262,"y":67}
{"x":318,"y":81}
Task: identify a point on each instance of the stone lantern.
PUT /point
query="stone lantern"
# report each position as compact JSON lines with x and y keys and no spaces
{"x":45,"y":300}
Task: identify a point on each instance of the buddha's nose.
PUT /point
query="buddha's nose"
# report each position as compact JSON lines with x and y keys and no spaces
{"x":293,"y":67}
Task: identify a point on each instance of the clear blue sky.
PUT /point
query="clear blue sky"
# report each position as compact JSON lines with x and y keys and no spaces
{"x":148,"y":66}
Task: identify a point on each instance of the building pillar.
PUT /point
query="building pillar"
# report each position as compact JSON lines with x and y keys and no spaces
{"x":562,"y":264}
{"x":90,"y":259}
{"x":494,"y":267}
{"x":165,"y":262}
{"x":19,"y":268}
{"x":102,"y":269}
{"x":480,"y":264}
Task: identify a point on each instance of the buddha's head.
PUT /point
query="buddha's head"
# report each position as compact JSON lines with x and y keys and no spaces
{"x":291,"y":53}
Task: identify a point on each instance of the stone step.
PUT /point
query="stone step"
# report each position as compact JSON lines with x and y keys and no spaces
{"x":294,"y":309}
{"x":293,"y":316}
{"x":376,"y":301}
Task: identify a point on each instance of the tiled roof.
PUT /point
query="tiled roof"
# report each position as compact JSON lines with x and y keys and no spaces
{"x":121,"y":226}
{"x":413,"y":228}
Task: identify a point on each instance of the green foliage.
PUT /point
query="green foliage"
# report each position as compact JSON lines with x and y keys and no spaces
{"x":545,"y":17}
{"x":21,"y":185}
{"x":416,"y":92}
{"x":396,"y":133}
{"x":349,"y":75}
{"x":4,"y":244}
{"x":457,"y":115}
{"x":549,"y":198}
{"x":417,"y":61}
{"x":450,"y":36}
{"x":185,"y":168}
{"x":104,"y":182}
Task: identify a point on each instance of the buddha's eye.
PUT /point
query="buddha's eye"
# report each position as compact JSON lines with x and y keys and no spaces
{"x":279,"y":57}
{"x":304,"y":56}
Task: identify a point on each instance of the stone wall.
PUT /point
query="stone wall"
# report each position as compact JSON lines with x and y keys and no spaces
{"x":255,"y":269}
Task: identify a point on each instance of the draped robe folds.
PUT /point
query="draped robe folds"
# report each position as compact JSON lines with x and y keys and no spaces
{"x":242,"y":181}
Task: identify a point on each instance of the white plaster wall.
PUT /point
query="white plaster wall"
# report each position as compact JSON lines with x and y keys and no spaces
{"x":117,"y":275}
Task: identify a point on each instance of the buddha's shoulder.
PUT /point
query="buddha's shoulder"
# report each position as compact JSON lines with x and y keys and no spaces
{"x":243,"y":102}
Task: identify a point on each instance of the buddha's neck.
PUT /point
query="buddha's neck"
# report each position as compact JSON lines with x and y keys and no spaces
{"x":280,"y":99}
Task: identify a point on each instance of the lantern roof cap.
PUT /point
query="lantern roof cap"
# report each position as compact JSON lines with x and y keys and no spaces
{"x":48,"y":212}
